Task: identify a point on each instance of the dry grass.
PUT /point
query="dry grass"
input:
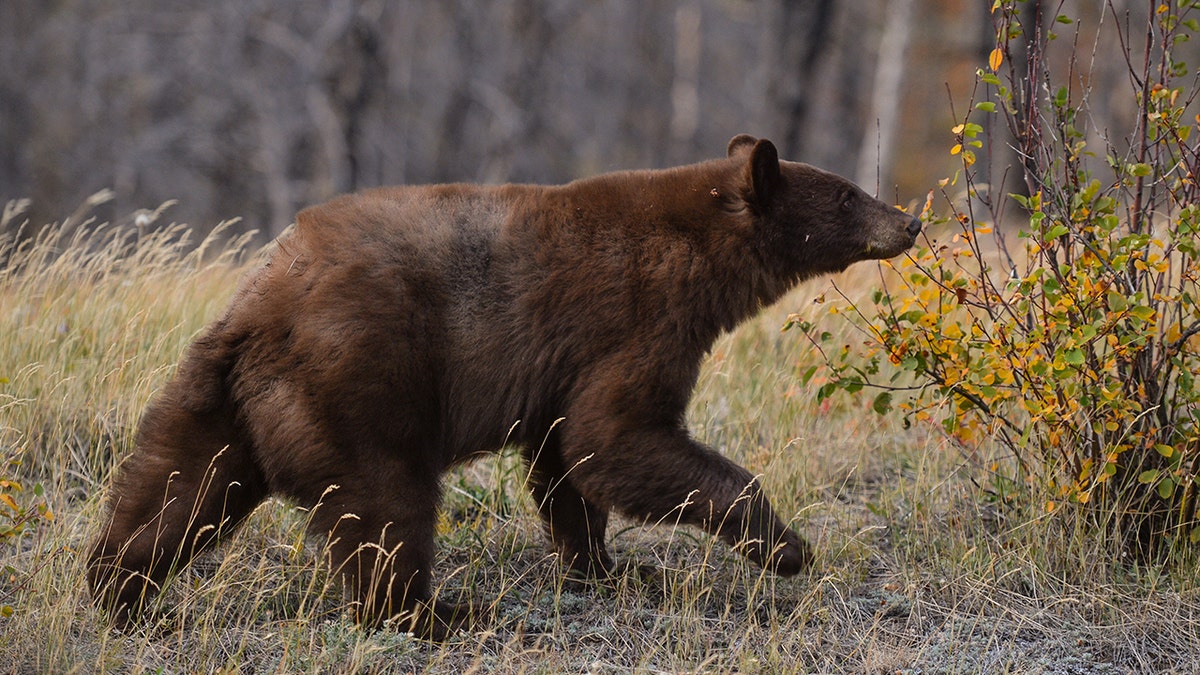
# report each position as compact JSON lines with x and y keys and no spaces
{"x":916,"y":571}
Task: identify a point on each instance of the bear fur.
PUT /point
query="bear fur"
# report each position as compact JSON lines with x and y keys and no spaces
{"x":397,"y":332}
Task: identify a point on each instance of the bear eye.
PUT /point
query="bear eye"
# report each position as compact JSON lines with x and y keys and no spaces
{"x":847,"y":201}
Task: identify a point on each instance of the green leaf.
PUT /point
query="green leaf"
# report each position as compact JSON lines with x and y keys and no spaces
{"x":1142,"y":312}
{"x":985,"y":106}
{"x":1074,"y":357}
{"x":808,"y":375}
{"x":1166,"y":488}
{"x":1056,"y":232}
{"x":1165,"y":450}
{"x":883,"y":403}
{"x":1147,"y":477}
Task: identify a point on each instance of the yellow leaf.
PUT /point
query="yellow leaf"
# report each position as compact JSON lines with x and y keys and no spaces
{"x":995,"y":59}
{"x":12,"y":503}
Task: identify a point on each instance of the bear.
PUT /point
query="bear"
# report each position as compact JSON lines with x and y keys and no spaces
{"x":394,"y":333}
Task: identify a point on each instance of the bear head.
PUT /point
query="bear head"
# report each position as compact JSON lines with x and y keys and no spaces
{"x":817,"y":221}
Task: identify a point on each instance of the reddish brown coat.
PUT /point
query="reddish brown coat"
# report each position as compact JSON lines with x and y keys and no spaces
{"x":396,"y":332}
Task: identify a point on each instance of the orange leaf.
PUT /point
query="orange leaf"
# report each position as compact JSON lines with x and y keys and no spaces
{"x":995,"y":59}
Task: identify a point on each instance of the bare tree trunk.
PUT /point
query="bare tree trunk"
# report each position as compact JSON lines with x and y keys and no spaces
{"x":878,"y":145}
{"x":797,"y":33}
{"x":685,"y":94}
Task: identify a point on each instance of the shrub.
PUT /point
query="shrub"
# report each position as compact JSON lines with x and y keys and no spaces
{"x":20,"y":511}
{"x":1075,"y":344}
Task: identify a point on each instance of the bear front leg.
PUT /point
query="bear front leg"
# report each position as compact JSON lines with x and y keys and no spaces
{"x":661,"y":474}
{"x":574,"y":525}
{"x":381,"y":544}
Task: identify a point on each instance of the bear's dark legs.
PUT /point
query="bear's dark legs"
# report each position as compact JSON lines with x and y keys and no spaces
{"x":574,"y":525}
{"x":182,"y":488}
{"x":664,"y":475}
{"x":380,"y":526}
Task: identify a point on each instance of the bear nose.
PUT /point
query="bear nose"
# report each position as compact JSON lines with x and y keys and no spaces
{"x":914,"y":227}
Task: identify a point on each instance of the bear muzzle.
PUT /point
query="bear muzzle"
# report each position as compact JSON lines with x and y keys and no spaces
{"x":893,"y":242}
{"x":914,"y":228}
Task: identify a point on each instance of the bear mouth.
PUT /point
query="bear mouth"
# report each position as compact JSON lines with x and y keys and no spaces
{"x":883,"y":250}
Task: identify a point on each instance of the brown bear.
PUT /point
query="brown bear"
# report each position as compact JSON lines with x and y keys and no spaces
{"x":397,"y":332}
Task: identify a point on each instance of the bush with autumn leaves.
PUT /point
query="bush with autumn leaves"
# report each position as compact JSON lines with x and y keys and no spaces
{"x":1071,"y":340}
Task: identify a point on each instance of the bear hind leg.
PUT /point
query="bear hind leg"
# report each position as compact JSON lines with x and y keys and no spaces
{"x":381,"y":545}
{"x":188,"y":483}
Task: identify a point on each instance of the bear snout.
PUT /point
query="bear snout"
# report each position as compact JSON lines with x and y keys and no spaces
{"x":914,"y":227}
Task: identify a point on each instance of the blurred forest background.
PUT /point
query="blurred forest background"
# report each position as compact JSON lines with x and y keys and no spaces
{"x":255,"y":108}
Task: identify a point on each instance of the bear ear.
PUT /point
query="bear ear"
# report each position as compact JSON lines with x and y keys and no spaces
{"x":740,"y":144}
{"x":763,"y":171}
